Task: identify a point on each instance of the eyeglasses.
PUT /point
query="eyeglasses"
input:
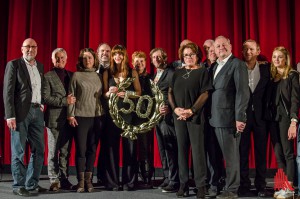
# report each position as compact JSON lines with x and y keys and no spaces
{"x":28,"y":47}
{"x":189,"y":55}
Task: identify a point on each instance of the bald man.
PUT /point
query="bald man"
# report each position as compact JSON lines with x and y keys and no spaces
{"x":24,"y":115}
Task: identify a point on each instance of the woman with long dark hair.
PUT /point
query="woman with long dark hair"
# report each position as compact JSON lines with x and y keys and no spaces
{"x":118,"y":72}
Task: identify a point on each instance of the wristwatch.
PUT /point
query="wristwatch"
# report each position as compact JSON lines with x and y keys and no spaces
{"x":294,"y":120}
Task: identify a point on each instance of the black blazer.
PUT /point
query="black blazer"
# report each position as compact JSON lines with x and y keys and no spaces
{"x":289,"y":92}
{"x":230,"y":94}
{"x":17,"y":90}
{"x":257,"y":101}
{"x":163,"y":85}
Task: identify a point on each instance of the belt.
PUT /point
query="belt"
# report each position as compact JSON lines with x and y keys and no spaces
{"x":35,"y":105}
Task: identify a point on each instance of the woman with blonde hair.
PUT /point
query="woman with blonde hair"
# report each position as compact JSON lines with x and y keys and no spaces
{"x":283,"y":109}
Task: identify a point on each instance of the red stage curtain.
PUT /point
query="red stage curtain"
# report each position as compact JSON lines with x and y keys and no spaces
{"x":143,"y":25}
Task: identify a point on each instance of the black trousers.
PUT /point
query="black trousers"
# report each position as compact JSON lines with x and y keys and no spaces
{"x":260,"y":141}
{"x":214,"y":157}
{"x":146,"y":153}
{"x":190,"y":134}
{"x":101,"y":156}
{"x":112,"y":155}
{"x":283,"y":148}
{"x":229,"y":145}
{"x":86,"y":136}
{"x":167,"y":144}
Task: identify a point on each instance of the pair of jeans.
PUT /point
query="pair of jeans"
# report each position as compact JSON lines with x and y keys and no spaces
{"x":30,"y":130}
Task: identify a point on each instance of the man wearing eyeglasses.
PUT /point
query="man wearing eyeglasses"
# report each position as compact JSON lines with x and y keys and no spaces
{"x":22,"y":98}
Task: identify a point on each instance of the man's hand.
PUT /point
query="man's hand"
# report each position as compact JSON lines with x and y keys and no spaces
{"x":71,"y":99}
{"x":11,"y":123}
{"x":73,"y":121}
{"x":240,"y":126}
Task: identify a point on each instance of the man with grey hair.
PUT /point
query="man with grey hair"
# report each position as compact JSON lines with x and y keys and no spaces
{"x":59,"y":131}
{"x":215,"y":167}
{"x":230,"y":98}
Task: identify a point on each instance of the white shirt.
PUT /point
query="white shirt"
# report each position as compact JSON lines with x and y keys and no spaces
{"x":159,"y":72}
{"x":36,"y":83}
{"x":254,"y":77}
{"x":221,"y":64}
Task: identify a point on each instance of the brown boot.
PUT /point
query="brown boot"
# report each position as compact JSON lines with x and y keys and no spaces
{"x":88,"y":181}
{"x":80,"y":184}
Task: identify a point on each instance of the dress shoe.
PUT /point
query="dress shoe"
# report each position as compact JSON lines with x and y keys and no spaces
{"x":54,"y":186}
{"x":21,"y":192}
{"x":211,"y":192}
{"x":163,"y":184}
{"x":261,"y":193}
{"x":113,"y":188}
{"x":243,"y":191}
{"x":66,"y":184}
{"x":183,"y":191}
{"x":127,"y":187}
{"x":227,"y":195}
{"x":38,"y":189}
{"x":171,"y":188}
{"x":100,"y":183}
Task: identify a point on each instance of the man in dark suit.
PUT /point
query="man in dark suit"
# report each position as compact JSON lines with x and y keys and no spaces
{"x":103,"y":53}
{"x":24,"y":115}
{"x":259,"y":77}
{"x":165,"y":130}
{"x":228,"y":110}
{"x":215,"y":167}
{"x":56,"y":97}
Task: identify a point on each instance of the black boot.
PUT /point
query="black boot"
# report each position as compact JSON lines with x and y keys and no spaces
{"x":146,"y":173}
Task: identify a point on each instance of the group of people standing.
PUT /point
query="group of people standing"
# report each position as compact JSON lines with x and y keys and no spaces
{"x":211,"y":106}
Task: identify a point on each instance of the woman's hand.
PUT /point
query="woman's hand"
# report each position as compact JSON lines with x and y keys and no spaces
{"x":113,"y":89}
{"x":164,"y":110}
{"x":73,"y":121}
{"x":292,"y":132}
{"x":180,"y":112}
{"x":121,"y":94}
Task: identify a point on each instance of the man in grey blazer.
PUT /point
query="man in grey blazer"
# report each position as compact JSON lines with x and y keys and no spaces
{"x":59,"y":131}
{"x":228,"y":110}
{"x":23,"y":80}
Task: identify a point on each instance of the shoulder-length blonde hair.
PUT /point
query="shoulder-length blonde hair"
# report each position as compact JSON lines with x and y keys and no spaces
{"x":288,"y":67}
{"x":119,"y":49}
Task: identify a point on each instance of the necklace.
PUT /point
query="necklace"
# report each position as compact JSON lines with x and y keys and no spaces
{"x":187,"y":74}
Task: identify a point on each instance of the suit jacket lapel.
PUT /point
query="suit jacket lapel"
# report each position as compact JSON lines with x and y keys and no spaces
{"x":58,"y":82}
{"x":26,"y":73}
{"x":223,"y":70}
{"x":262,"y":78}
{"x":162,"y":76}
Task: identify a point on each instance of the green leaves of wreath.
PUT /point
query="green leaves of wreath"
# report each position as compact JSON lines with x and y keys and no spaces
{"x":131,"y":131}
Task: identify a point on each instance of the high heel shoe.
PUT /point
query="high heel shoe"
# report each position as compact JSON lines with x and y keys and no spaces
{"x":183,"y":191}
